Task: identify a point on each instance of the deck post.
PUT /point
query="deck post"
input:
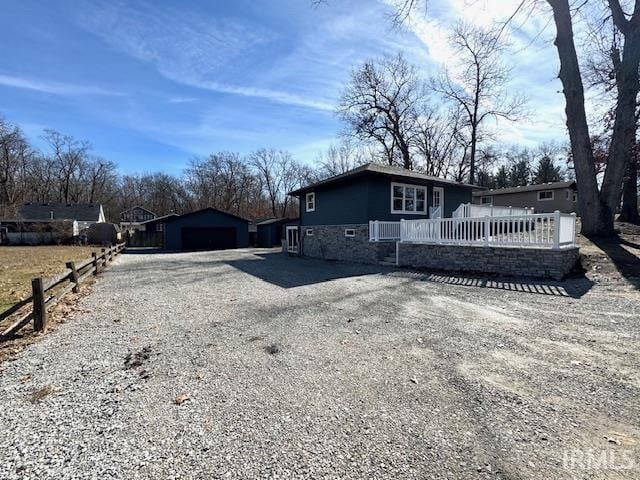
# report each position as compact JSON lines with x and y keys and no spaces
{"x":39,"y":307}
{"x":556,"y":230}
{"x":376,"y":230}
{"x":487,"y":230}
{"x":74,"y":276}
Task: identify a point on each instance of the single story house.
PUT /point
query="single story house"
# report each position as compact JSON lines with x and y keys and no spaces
{"x":543,"y":198}
{"x":271,"y":232}
{"x":206,"y":229}
{"x":335,"y":212}
{"x":134,"y":216}
{"x":85,"y":214}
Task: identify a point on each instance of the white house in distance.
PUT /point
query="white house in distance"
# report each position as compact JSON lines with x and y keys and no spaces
{"x":85,"y":214}
{"x":44,"y":223}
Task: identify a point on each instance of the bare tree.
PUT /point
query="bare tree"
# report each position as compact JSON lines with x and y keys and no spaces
{"x":438,"y":141}
{"x":597,"y":207}
{"x":278,"y":173}
{"x":480,"y":85}
{"x":341,"y":158}
{"x":15,"y":158}
{"x":379,"y":105}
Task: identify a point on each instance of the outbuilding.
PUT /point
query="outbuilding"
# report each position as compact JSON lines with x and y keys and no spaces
{"x":206,"y":229}
{"x":272,"y":231}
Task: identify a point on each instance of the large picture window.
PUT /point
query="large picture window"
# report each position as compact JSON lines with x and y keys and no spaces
{"x":408,"y":198}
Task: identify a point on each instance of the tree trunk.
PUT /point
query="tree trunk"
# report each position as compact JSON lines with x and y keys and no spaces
{"x":624,"y":126}
{"x":629,"y":211}
{"x":597,"y":218}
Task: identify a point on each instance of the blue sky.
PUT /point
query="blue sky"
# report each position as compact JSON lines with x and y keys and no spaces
{"x":151,"y":84}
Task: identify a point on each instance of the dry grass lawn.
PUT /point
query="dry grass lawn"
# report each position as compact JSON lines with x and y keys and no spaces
{"x":18,"y":265}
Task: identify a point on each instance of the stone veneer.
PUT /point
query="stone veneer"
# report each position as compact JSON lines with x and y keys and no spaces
{"x":526,"y":262}
{"x":329,"y":242}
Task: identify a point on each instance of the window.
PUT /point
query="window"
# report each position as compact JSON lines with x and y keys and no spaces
{"x":566,"y":194}
{"x":545,"y":195}
{"x":575,"y":197}
{"x":408,"y":198}
{"x":349,"y":232}
{"x":311,"y":202}
{"x":486,"y":200}
{"x":309,"y":232}
{"x":159,"y":227}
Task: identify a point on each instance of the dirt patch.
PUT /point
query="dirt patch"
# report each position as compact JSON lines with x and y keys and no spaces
{"x":613,"y":259}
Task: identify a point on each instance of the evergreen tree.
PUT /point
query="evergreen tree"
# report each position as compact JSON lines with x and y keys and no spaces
{"x":547,"y":171}
{"x":501,"y":178}
{"x":520,"y":173}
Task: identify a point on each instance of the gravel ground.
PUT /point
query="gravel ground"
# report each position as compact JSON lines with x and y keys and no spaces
{"x":250,"y":364}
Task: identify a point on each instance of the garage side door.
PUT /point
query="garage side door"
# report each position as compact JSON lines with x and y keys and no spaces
{"x":208,"y":238}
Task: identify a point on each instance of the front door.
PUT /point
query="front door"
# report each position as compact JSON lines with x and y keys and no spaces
{"x":293,"y":236}
{"x":437,"y":205}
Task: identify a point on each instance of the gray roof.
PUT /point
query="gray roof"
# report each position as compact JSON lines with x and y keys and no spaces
{"x":83,"y":212}
{"x":526,"y":188}
{"x":379,"y":169}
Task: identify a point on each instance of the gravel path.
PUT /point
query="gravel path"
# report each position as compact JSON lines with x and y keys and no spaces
{"x":296,"y":368}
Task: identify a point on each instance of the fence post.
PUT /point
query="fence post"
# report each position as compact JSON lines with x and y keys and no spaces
{"x":556,"y":230}
{"x":74,"y":276}
{"x":39,"y":307}
{"x":96,"y":266}
{"x":402,"y":232}
{"x":510,"y":210}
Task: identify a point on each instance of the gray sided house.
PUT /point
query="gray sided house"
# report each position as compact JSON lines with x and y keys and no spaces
{"x":207,"y":229}
{"x":335,"y":213}
{"x":134,"y":216}
{"x":543,"y":198}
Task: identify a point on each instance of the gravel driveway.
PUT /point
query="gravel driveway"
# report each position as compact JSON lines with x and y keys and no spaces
{"x":297,"y":368}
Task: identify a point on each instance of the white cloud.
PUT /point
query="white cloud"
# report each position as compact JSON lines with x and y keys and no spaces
{"x":55,"y":88}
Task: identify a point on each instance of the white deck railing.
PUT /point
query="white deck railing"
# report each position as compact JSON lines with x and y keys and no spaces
{"x":383,"y":231}
{"x":469,"y":210}
{"x":544,"y":230}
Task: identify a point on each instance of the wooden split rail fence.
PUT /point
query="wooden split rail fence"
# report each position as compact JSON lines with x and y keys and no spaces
{"x":43,"y":296}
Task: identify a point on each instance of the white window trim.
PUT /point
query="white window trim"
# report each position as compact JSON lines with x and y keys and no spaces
{"x":309,"y":232}
{"x":306,"y":201}
{"x":546,"y":199}
{"x":403,"y":211}
{"x":349,"y":232}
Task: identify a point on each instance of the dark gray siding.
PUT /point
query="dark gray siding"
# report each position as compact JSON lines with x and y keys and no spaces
{"x":205,"y":218}
{"x":369,"y":198}
{"x":338,"y":204}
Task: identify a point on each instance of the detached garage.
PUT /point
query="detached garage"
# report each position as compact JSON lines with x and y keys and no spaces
{"x":207,"y":229}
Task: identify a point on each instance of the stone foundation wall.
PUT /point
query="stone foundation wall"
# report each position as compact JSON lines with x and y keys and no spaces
{"x":329,"y":242}
{"x":526,"y":262}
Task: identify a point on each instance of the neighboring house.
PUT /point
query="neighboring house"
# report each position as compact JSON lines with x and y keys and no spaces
{"x":335,"y":213}
{"x":271,"y":232}
{"x":149,"y":233}
{"x":37,"y":232}
{"x":85,"y":214}
{"x":544,"y":198}
{"x":207,"y":229}
{"x":134,"y":216}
